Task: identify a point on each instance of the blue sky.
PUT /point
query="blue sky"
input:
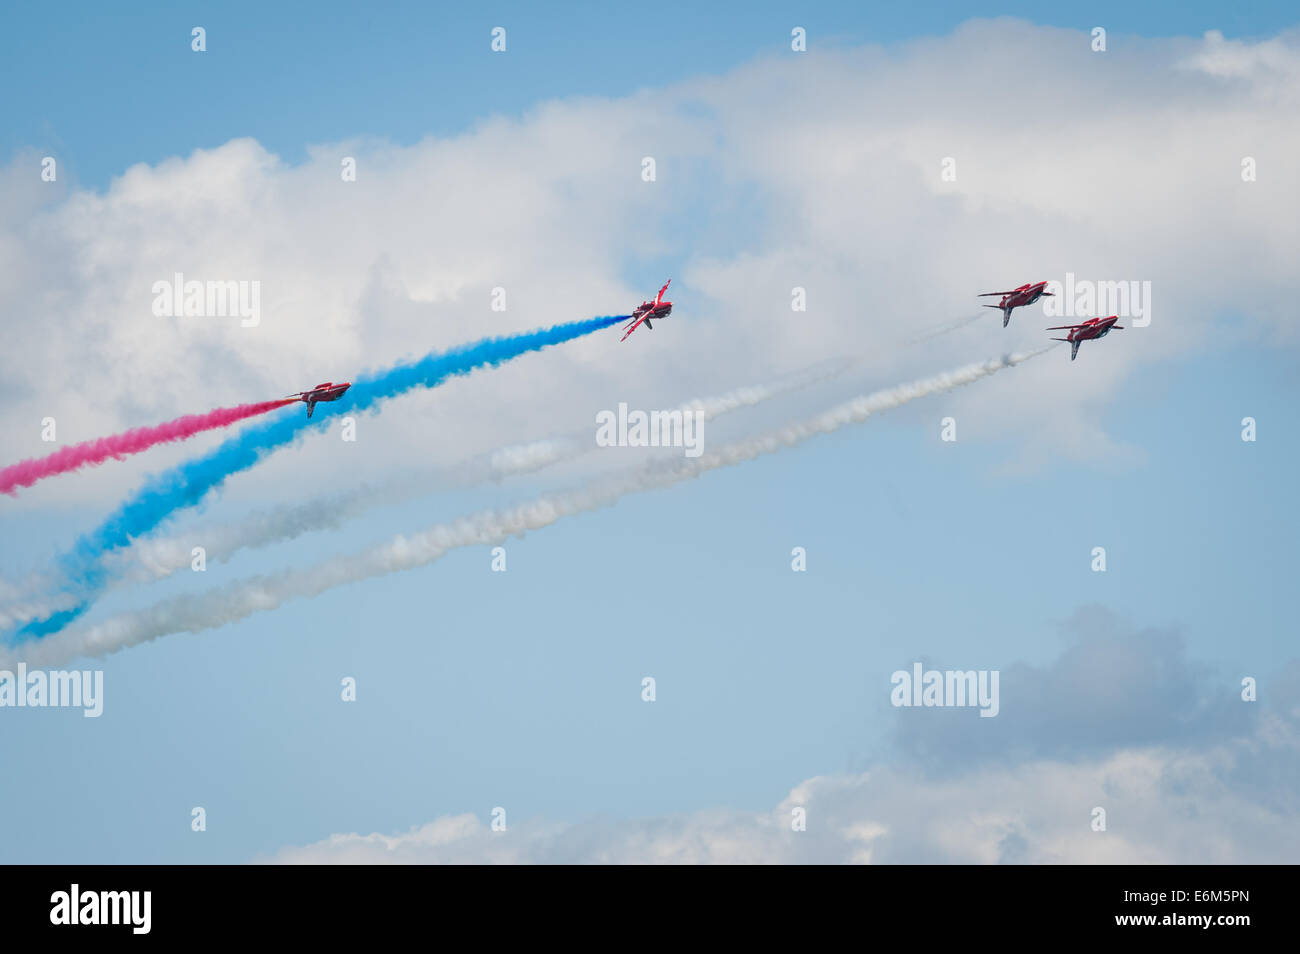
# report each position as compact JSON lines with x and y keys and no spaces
{"x":522,"y":689}
{"x":290,"y":76}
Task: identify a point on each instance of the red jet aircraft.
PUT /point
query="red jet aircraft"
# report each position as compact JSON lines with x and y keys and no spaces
{"x":1024,"y":295}
{"x":1092,"y":328}
{"x":649,"y":309}
{"x":329,"y":391}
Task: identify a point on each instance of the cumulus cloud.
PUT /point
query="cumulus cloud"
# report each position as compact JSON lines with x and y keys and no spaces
{"x":765,"y":182}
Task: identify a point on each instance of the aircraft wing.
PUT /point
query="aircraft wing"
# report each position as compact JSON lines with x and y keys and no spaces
{"x":1064,"y":327}
{"x":659,"y":297}
{"x":989,"y":294}
{"x":632,"y":325}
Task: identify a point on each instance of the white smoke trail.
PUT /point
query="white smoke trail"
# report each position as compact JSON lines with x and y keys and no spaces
{"x":946,"y":328}
{"x":20,"y":607}
{"x":236,"y":601}
{"x":153,"y":559}
{"x":164,"y":557}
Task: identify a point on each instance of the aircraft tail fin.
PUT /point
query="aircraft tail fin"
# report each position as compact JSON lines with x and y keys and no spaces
{"x":1006,"y":313}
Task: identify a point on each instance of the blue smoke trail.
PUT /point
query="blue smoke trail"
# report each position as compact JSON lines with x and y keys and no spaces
{"x":187,"y":484}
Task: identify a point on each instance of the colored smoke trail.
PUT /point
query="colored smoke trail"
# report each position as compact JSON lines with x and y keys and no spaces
{"x":89,"y":453}
{"x":228,"y":604}
{"x":187,"y":484}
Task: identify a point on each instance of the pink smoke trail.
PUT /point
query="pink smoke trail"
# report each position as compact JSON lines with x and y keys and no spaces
{"x":89,"y":453}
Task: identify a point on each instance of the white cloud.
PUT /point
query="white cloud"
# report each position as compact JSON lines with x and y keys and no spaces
{"x":1272,"y":63}
{"x":1162,"y":807}
{"x":820,"y":171}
